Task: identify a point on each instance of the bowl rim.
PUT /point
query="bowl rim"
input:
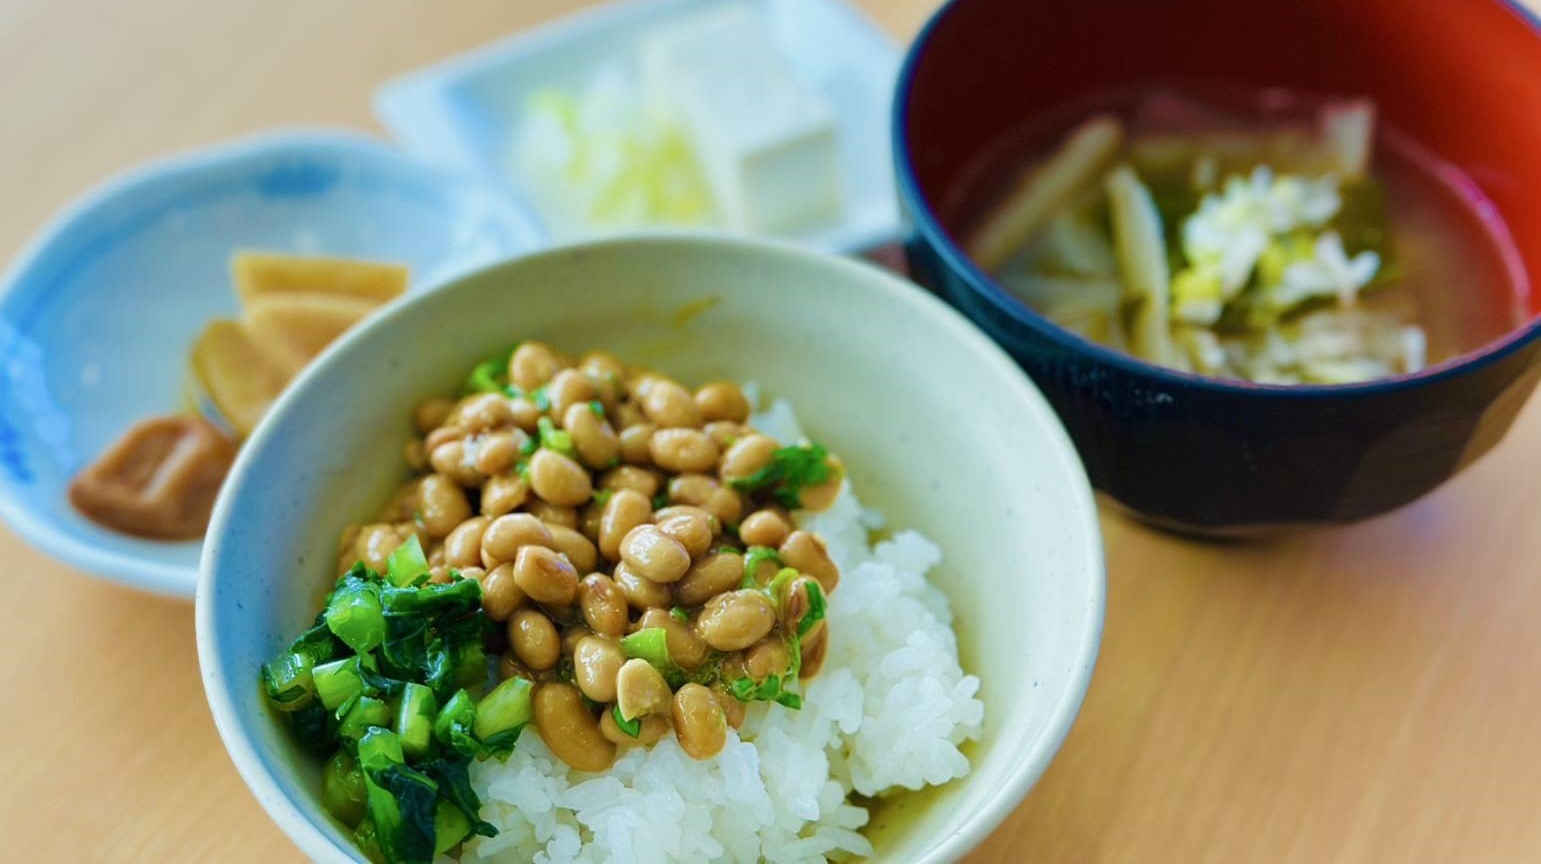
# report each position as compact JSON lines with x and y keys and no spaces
{"x":18,"y":286}
{"x":302,"y":828}
{"x":925,"y":223}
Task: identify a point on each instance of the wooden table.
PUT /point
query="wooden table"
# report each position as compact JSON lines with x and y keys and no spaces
{"x":1367,"y":694}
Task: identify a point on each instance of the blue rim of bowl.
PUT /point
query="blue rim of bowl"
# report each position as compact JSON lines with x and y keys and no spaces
{"x":127,"y":569}
{"x":918,"y":208}
{"x":298,"y":822}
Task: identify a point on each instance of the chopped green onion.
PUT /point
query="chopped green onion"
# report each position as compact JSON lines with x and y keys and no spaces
{"x":414,"y":720}
{"x":778,"y":585}
{"x":789,"y":470}
{"x":661,"y":500}
{"x":756,"y":556}
{"x":553,"y":438}
{"x":679,"y":614}
{"x":490,"y":375}
{"x":541,"y":398}
{"x":650,"y":644}
{"x":597,"y":407}
{"x":407,"y":566}
{"x":632,"y":727}
{"x":603,"y":496}
{"x":816,"y":607}
{"x":485,"y":377}
{"x":772,"y":689}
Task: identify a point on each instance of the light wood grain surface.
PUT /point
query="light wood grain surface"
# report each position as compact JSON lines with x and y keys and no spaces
{"x":1368,"y":694}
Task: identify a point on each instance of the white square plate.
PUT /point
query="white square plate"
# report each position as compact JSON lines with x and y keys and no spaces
{"x":463,"y":113}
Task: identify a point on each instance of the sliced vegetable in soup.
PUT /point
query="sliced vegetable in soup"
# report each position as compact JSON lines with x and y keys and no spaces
{"x":1295,"y":242}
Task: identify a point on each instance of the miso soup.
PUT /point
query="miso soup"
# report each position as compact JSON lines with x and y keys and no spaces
{"x":1263,"y":235}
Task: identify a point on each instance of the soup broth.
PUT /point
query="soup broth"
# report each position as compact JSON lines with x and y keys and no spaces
{"x":1446,"y":263}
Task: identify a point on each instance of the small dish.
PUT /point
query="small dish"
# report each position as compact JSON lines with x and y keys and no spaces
{"x":1003,"y":494}
{"x":463,"y":113}
{"x":1206,"y":455}
{"x":98,"y":314}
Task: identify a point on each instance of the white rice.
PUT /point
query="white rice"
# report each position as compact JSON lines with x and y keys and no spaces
{"x":888,"y":712}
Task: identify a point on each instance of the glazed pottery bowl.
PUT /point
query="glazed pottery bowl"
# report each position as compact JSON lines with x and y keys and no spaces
{"x":1201,"y":454}
{"x":878,"y":371}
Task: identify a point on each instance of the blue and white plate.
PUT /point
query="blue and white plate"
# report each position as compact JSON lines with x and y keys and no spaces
{"x":464,"y":113}
{"x":98,"y":314}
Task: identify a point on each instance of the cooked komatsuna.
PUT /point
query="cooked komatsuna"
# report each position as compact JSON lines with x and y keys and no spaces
{"x":620,"y":545}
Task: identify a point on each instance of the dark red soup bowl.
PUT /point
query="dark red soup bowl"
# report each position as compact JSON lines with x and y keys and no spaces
{"x":1204,"y":455}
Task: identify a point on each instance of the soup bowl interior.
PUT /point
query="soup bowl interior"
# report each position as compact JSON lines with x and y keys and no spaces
{"x":1461,"y":81}
{"x":939,"y":429}
{"x":1207,"y":455}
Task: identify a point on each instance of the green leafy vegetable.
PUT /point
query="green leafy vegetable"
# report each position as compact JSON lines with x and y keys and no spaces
{"x":455,"y":788}
{"x":343,"y":792}
{"x":603,"y":496}
{"x":450,"y":826}
{"x":368,"y":679}
{"x":453,"y":727}
{"x":367,"y":713}
{"x":407,"y":566}
{"x":661,"y":500}
{"x":414,"y":719}
{"x":339,"y":682}
{"x":401,"y":801}
{"x":788,"y":472}
{"x":597,"y":407}
{"x":315,"y":728}
{"x":502,"y":715}
{"x":286,"y":680}
{"x":353,"y":612}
